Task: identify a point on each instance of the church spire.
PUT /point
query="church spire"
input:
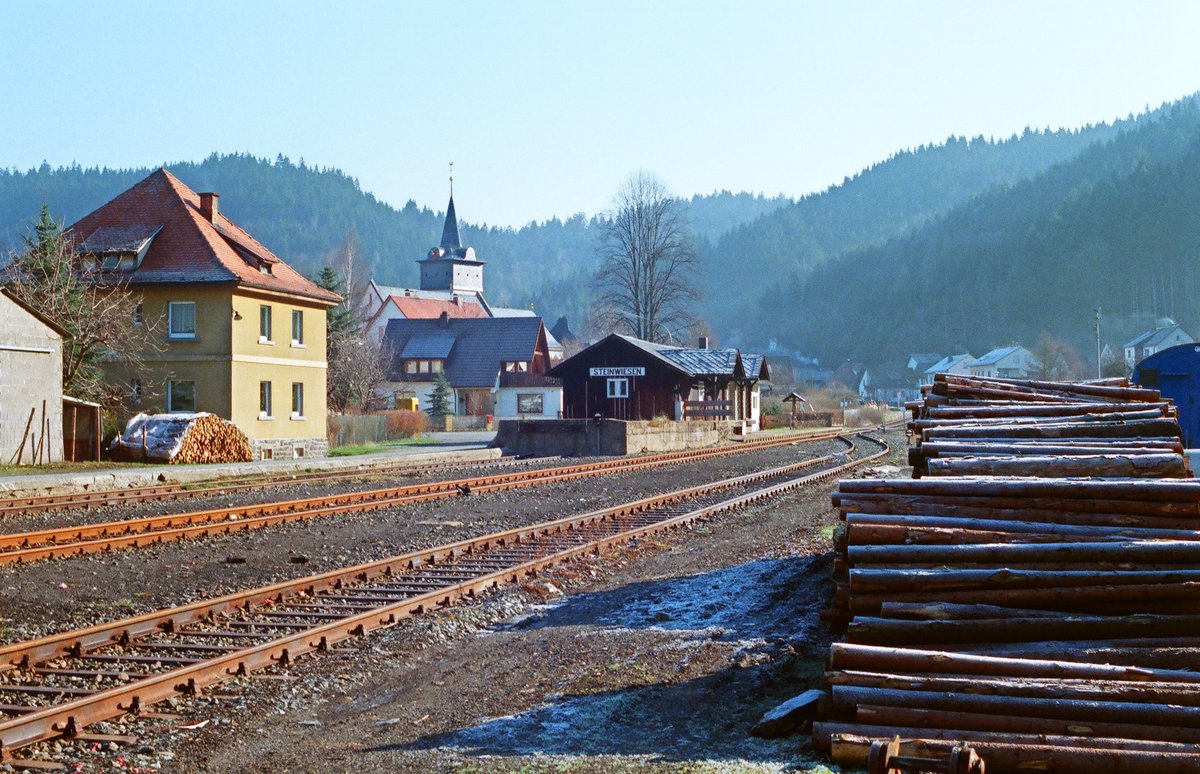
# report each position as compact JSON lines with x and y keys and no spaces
{"x":450,"y":238}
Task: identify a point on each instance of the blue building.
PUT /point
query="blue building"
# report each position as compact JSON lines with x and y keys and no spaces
{"x":1175,"y":372}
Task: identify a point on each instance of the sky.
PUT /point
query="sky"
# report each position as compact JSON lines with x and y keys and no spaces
{"x":546,"y":107}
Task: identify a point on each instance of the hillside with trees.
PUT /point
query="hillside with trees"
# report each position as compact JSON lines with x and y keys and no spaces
{"x":307,"y":215}
{"x":1117,"y":227}
{"x":942,"y":223}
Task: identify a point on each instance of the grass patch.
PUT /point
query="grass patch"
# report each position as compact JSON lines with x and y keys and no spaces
{"x":65,"y":467}
{"x":828,"y":530}
{"x":355,"y":449}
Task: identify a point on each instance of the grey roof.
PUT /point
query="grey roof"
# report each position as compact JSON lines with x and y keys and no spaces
{"x":924,"y":359}
{"x":434,"y":345}
{"x":481,"y":345}
{"x":948,"y":362}
{"x":131,"y":238}
{"x":691,"y":361}
{"x":450,"y":240}
{"x":755,"y":366}
{"x":1155,"y":337}
{"x":996,"y":355}
{"x":506,"y":311}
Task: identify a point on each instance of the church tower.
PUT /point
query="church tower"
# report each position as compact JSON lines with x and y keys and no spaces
{"x":450,"y":267}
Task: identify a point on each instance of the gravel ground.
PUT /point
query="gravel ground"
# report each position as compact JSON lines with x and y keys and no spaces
{"x":659,"y":656}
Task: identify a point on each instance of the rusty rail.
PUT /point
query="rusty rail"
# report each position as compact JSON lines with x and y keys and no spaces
{"x":18,"y":506}
{"x":182,"y":650}
{"x":78,"y":540}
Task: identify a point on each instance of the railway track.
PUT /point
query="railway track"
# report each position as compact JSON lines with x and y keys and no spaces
{"x":83,"y":539}
{"x":20,"y":506}
{"x":57,"y":686}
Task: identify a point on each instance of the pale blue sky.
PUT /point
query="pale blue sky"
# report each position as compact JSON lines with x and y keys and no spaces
{"x":546,"y":106}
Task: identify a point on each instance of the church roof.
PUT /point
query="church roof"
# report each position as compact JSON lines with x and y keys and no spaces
{"x":450,"y":239}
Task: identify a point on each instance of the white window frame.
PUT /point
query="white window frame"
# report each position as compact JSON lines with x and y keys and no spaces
{"x":171,"y":332}
{"x":297,"y":400}
{"x":171,"y":396}
{"x":298,"y":327}
{"x":618,"y":387}
{"x":264,"y":392}
{"x":265,"y":321}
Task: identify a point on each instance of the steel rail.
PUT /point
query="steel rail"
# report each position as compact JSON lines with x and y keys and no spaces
{"x":78,"y":540}
{"x":370,"y":596}
{"x":15,"y":506}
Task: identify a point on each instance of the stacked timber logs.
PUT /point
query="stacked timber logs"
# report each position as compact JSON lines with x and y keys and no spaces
{"x":969,"y":426}
{"x":187,"y":439}
{"x":1052,"y":623}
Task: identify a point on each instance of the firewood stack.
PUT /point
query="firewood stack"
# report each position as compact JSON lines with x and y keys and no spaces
{"x":1050,"y":622}
{"x":186,"y":439}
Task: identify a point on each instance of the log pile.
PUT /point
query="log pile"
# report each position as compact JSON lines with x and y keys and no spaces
{"x":185,"y":439}
{"x":970,"y":426}
{"x":1050,"y":622}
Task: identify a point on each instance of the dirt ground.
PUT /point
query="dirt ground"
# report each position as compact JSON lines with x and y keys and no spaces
{"x":658,"y":657}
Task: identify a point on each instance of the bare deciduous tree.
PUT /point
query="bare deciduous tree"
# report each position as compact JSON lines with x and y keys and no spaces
{"x":646,"y":262}
{"x":102,"y":317}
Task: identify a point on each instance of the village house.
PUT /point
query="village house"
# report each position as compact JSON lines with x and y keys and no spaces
{"x":855,"y":377}
{"x":950,"y":364}
{"x":1164,"y":335}
{"x":451,"y":284}
{"x":243,"y":334}
{"x":495,"y":366}
{"x":622,"y":377}
{"x":1013,"y":362}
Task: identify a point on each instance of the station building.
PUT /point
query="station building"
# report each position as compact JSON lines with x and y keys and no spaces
{"x":625,"y":378}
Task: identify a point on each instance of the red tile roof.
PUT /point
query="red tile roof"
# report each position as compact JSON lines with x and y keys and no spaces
{"x":190,"y":248}
{"x":432,"y":308}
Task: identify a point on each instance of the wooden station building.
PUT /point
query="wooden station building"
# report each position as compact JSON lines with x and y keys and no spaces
{"x":622,"y":377}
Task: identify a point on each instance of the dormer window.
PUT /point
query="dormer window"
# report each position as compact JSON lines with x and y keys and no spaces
{"x":110,"y":262}
{"x":264,"y":268}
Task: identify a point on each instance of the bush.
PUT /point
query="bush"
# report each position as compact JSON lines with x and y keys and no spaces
{"x":405,"y":424}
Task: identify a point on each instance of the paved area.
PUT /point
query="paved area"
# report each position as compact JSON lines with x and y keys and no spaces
{"x":448,"y":447}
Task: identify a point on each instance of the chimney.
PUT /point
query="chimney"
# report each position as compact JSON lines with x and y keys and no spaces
{"x":208,"y":206}
{"x":703,"y":343}
{"x":444,"y":319}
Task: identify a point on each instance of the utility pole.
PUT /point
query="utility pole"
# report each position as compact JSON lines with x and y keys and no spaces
{"x":1098,"y":373}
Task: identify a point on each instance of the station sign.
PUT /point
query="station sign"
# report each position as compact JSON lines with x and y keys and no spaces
{"x":617,"y":371}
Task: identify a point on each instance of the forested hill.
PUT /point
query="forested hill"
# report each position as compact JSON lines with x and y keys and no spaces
{"x":306,"y":215}
{"x":884,"y":201}
{"x":1117,"y":227}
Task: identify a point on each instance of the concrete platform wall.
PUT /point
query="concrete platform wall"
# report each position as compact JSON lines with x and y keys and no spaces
{"x":612,"y":437}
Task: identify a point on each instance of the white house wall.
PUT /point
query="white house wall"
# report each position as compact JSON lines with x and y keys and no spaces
{"x":30,"y":379}
{"x":506,"y":402}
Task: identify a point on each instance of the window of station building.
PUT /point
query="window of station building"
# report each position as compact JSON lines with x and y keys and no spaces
{"x":618,"y":388}
{"x":181,"y":320}
{"x":137,"y":314}
{"x":264,"y":400}
{"x":135,"y":391}
{"x":264,"y":324}
{"x":297,"y":400}
{"x":516,"y":366}
{"x":297,"y":328}
{"x":181,"y":397}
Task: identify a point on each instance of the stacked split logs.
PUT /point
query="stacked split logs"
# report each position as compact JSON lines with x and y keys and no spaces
{"x":186,"y":439}
{"x":1051,"y":622}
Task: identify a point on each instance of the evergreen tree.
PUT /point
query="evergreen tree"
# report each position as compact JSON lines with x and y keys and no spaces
{"x":439,"y":399}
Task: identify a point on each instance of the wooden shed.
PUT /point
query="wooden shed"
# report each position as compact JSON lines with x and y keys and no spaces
{"x":622,"y":377}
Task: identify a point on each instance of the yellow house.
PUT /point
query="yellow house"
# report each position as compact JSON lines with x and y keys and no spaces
{"x":241,"y":333}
